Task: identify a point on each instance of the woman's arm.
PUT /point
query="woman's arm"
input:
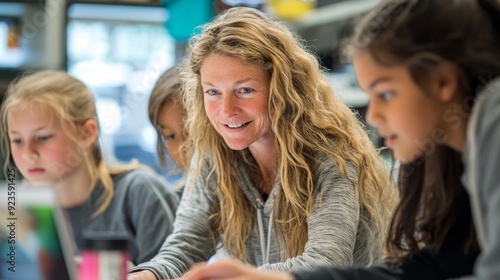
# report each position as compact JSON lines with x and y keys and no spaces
{"x":190,"y":241}
{"x":447,"y":263}
{"x":232,"y":270}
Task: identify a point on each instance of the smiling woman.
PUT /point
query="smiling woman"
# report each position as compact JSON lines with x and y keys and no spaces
{"x":236,"y":96}
{"x":283,"y":174}
{"x":432,"y":73}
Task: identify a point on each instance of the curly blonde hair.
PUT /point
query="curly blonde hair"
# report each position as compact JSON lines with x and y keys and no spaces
{"x":307,"y":119}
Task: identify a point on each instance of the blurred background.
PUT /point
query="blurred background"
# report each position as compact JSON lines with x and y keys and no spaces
{"x":120,"y":48}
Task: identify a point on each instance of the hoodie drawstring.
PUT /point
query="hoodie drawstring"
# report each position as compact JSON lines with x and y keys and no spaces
{"x":265,"y":249}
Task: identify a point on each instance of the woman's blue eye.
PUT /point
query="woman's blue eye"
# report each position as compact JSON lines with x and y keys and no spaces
{"x":16,"y":141}
{"x":246,"y":90}
{"x":211,"y":92}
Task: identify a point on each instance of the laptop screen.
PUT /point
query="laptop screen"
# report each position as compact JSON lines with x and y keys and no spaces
{"x":34,"y":242}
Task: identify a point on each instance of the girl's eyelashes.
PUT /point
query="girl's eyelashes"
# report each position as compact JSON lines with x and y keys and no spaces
{"x":45,"y":138}
{"x":386,"y":95}
{"x":168,"y":137}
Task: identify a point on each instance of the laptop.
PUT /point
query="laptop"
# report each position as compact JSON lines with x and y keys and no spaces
{"x":35,"y":240}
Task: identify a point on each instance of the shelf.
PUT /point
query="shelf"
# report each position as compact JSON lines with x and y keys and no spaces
{"x":24,"y":1}
{"x":153,"y":3}
{"x":353,"y":97}
{"x":324,"y":27}
{"x":347,"y":91}
{"x":336,"y":12}
{"x":116,"y":11}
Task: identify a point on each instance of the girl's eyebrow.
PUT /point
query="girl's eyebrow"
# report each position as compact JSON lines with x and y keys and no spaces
{"x":163,"y":127}
{"x":377,"y":81}
{"x":36,"y":129}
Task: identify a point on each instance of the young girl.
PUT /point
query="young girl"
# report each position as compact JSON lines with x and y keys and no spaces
{"x":167,"y":114}
{"x":283,"y":174}
{"x":49,"y":128}
{"x":432,"y":72}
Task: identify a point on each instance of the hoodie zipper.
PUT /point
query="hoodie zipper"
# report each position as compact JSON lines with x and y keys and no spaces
{"x":263,"y":246}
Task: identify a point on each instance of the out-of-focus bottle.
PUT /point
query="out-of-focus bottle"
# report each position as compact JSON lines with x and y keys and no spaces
{"x":105,"y":258}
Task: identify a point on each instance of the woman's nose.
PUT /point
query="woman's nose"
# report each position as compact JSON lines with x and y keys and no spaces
{"x":229,"y":106}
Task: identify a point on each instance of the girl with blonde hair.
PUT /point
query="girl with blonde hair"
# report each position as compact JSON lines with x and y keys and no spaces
{"x":49,"y":131}
{"x":283,"y":173}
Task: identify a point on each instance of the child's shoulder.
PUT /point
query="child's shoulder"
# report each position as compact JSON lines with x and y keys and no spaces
{"x":490,"y":95}
{"x":139,"y":185}
{"x":137,"y":179}
{"x":486,"y":110}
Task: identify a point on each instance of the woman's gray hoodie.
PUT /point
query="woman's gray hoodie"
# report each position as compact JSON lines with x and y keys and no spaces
{"x":336,"y":236}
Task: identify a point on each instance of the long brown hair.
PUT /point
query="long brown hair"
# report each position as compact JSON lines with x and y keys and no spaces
{"x":432,"y":200}
{"x":420,"y":35}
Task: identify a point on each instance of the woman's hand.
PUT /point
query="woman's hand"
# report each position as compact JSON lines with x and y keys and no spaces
{"x":142,"y":275}
{"x":231,"y":269}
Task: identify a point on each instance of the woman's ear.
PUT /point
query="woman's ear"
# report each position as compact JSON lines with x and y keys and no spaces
{"x":445,"y":79}
{"x":89,"y":133}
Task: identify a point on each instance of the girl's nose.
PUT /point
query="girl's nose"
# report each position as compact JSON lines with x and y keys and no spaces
{"x":372,"y":116}
{"x":29,"y":151}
